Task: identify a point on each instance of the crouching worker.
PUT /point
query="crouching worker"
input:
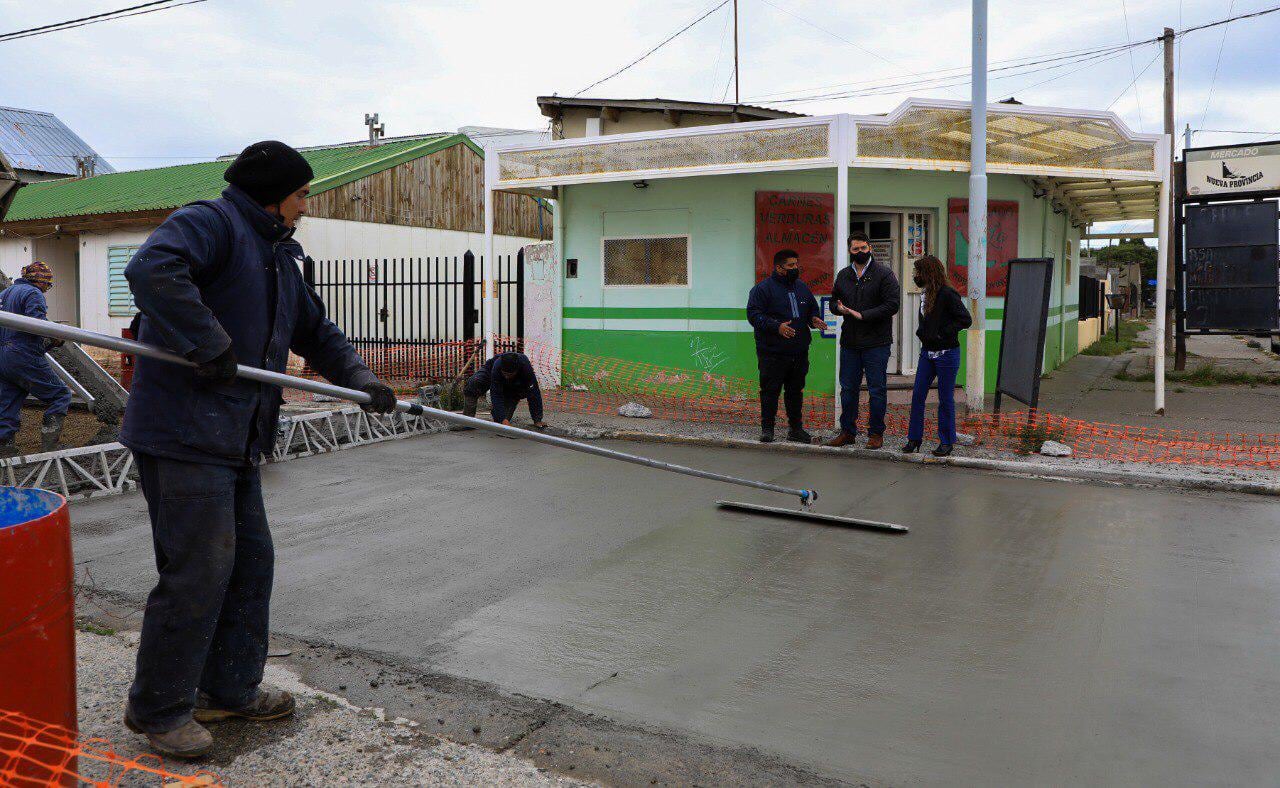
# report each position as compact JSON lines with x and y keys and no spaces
{"x":508,"y":378}
{"x":219,"y":282}
{"x":24,"y":369}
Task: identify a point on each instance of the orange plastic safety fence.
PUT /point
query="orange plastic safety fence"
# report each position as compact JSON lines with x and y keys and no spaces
{"x":599,"y":385}
{"x":34,"y":753}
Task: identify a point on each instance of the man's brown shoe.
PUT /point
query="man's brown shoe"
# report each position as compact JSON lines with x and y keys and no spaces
{"x":191,"y":740}
{"x":843,"y":439}
{"x":270,"y":704}
{"x":875,"y":441}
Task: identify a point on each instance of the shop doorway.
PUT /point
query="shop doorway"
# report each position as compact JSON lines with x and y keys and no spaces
{"x":899,"y":236}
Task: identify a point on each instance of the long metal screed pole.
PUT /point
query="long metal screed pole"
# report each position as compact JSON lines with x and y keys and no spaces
{"x":58,"y":331}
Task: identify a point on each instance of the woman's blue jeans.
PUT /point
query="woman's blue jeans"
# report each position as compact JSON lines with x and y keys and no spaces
{"x":944,"y":368}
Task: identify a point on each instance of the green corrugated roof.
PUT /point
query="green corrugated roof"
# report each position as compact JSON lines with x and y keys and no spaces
{"x":171,"y":187}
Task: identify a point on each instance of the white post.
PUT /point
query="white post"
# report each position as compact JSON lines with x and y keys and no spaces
{"x":976,"y":362}
{"x":1165,"y":241}
{"x":488,"y":290}
{"x":845,"y":142}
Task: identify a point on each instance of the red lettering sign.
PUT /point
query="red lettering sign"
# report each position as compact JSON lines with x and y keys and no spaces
{"x":1002,"y":244}
{"x":801,"y":221}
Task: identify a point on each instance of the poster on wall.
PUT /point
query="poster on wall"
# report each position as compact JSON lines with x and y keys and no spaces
{"x":542,"y":312}
{"x":1002,"y":244}
{"x":803,"y":221}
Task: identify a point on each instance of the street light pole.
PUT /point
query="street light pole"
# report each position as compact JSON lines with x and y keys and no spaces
{"x":976,"y":363}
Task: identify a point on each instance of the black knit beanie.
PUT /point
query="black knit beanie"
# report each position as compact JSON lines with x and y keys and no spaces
{"x":269,"y":171}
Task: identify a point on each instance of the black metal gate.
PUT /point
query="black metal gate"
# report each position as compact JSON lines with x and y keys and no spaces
{"x":417,"y":320}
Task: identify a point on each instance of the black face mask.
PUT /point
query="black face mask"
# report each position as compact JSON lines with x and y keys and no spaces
{"x":791,"y":276}
{"x":861,"y":258}
{"x":919,"y":280}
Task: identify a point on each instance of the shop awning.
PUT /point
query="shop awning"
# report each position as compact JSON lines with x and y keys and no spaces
{"x":1089,"y":162}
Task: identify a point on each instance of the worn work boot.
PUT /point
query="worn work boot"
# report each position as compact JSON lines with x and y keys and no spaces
{"x":875,"y":441}
{"x":8,"y":448}
{"x":798,"y":435}
{"x":270,"y":704}
{"x":191,"y":740}
{"x":843,"y":439}
{"x":51,"y":431}
{"x":469,"y":404}
{"x":766,"y":435}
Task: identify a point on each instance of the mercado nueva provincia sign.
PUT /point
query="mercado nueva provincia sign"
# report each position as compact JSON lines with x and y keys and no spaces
{"x":1233,"y":170}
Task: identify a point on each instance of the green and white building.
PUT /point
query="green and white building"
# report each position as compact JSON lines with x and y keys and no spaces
{"x":656,"y":233}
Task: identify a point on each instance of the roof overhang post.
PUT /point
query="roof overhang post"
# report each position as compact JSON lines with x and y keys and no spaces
{"x":843,"y":147}
{"x":1165,"y":242}
{"x":488,"y":291}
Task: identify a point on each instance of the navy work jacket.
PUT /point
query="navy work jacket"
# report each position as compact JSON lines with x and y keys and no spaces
{"x":773,"y":302}
{"x":219,"y":274}
{"x":23,"y":298}
{"x":505,"y":394}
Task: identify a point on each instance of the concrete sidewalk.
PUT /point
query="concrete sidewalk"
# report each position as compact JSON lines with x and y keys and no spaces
{"x":1086,"y":388}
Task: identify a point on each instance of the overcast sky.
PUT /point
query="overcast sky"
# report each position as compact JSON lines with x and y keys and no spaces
{"x":206,"y":79}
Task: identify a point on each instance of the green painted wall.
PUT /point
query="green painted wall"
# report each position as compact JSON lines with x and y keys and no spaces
{"x":703,"y":326}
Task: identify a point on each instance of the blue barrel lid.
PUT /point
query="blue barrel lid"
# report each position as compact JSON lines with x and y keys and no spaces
{"x":20,"y":505}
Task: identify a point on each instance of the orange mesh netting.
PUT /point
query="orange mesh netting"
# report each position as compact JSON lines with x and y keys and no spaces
{"x":599,"y":385}
{"x":34,"y":753}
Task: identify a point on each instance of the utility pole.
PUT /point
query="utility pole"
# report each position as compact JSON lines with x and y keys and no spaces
{"x":1172,"y":338}
{"x":976,"y":362}
{"x":736,"y":98}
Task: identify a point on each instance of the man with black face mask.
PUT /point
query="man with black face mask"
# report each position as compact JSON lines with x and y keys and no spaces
{"x":867,"y":294}
{"x":782,"y":309}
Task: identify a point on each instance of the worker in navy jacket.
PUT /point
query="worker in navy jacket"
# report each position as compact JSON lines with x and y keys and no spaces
{"x":507,"y":378}
{"x":219,"y":283}
{"x":782,"y":309}
{"x":24,"y":370}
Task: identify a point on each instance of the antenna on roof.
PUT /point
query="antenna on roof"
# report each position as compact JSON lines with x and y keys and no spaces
{"x":376,"y":130}
{"x":85,"y":166}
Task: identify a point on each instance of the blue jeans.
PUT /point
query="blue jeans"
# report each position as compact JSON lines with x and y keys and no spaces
{"x":22,"y":374}
{"x":874,"y":363}
{"x":944,"y":368}
{"x":205,"y":625}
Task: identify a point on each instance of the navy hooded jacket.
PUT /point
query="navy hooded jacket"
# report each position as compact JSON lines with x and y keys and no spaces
{"x":773,"y":302}
{"x":23,"y":298}
{"x":505,"y":394}
{"x":215,"y":275}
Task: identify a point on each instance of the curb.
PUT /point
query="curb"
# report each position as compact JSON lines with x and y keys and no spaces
{"x":1118,"y":477}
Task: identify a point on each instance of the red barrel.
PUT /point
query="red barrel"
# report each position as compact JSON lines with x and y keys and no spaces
{"x":37,"y":623}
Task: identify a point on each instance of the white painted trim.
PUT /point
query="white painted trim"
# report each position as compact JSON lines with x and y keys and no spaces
{"x":660,"y":134}
{"x":877,"y":162}
{"x":687,"y":172}
{"x":688,"y":262}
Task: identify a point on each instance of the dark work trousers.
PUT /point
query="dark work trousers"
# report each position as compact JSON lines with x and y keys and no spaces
{"x":205,"y":625}
{"x":22,"y":374}
{"x":779,"y":373}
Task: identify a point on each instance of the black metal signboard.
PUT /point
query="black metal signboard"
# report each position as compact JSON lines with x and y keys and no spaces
{"x":1232,"y":269}
{"x":1026,"y":315}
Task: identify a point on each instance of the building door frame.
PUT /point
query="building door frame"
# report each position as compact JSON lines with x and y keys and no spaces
{"x":905,"y":344}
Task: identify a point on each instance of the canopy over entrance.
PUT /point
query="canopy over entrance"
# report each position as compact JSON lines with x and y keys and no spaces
{"x":1089,"y":162}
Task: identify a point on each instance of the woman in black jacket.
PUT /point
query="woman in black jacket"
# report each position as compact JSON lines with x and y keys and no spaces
{"x":942,"y":317}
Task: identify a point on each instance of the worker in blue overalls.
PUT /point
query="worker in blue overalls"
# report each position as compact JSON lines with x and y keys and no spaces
{"x":23,"y":368}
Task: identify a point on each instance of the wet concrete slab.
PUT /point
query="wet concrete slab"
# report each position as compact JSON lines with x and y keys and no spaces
{"x":1025,"y":631}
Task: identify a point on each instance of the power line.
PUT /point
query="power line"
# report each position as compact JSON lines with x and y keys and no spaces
{"x":665,"y":41}
{"x":86,"y":18}
{"x":957,"y":79}
{"x":1214,"y":82}
{"x":1237,"y":131}
{"x":1073,"y":57}
{"x":110,"y":16}
{"x":837,"y":36}
{"x":1136,"y":77}
{"x":1133,"y":68}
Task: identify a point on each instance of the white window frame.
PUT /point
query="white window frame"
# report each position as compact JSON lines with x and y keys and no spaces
{"x":111,"y":312}
{"x":688,"y":262}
